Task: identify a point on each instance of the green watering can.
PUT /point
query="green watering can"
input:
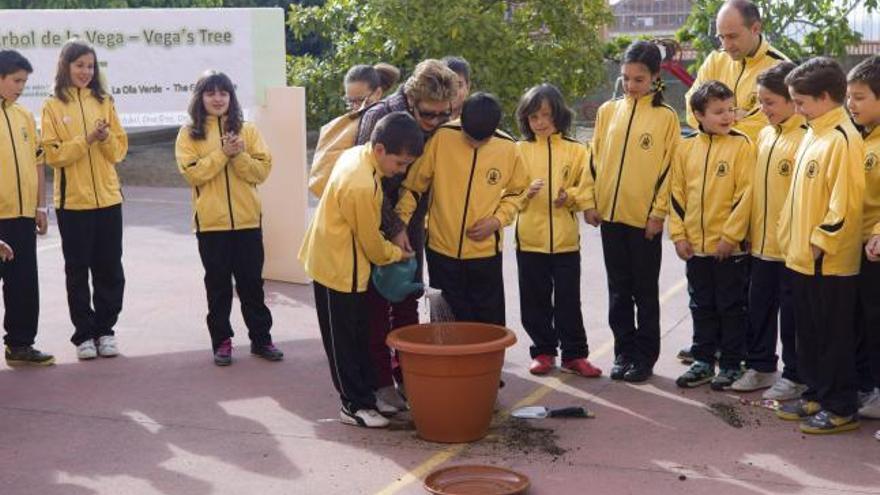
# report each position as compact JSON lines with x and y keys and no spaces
{"x":395,"y":281}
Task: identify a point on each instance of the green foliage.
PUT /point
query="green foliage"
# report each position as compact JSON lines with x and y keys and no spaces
{"x":614,"y":48}
{"x":510,"y":48}
{"x":122,"y":4}
{"x":799,"y":28}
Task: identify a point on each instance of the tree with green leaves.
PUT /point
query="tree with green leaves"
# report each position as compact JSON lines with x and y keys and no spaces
{"x":510,"y":45}
{"x":798,"y":28}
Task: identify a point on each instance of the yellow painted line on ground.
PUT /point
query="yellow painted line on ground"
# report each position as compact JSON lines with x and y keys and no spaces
{"x":552,"y":384}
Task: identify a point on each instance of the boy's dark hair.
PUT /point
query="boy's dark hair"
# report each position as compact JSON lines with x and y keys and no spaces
{"x":748,"y":10}
{"x":867,"y":72}
{"x":709,"y":90}
{"x":213,"y":81}
{"x":773,"y":79}
{"x":816,"y":76}
{"x":71,"y":51}
{"x":381,"y":75}
{"x":459,"y":65}
{"x":647,"y":54}
{"x":480,"y":115}
{"x":400,"y":134}
{"x":531,"y":103}
{"x":11,"y":61}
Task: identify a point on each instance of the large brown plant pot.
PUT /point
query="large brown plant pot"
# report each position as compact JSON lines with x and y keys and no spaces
{"x":451,"y":371}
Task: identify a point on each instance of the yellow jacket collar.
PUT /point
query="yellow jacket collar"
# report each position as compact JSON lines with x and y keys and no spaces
{"x":642,"y":100}
{"x":829,"y":120}
{"x":763,"y":47}
{"x":371,"y":158}
{"x":793,"y":122}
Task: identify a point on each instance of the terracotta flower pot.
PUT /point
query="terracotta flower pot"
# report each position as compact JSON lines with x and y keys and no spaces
{"x":452,"y":371}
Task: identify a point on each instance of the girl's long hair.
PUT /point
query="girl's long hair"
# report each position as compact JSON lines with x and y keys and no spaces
{"x":71,"y":51}
{"x":213,"y":81}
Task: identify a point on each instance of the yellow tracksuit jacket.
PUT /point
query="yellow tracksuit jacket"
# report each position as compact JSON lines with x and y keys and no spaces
{"x":19,"y":157}
{"x":777,"y":145}
{"x":344,"y":237}
{"x":711,"y":190}
{"x":741,"y":76}
{"x":224,"y":190}
{"x":871,"y":222}
{"x":632,"y":148}
{"x":541,"y":227}
{"x":467,"y":184}
{"x":824,"y":204}
{"x":85,"y":175}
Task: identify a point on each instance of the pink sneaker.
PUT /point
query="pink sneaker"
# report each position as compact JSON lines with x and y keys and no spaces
{"x":542,"y":364}
{"x":223,"y":354}
{"x":582,"y":367}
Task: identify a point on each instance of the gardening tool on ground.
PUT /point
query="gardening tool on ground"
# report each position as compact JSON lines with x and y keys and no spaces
{"x":541,"y":412}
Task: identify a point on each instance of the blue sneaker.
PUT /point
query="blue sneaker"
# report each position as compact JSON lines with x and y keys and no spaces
{"x":698,"y":374}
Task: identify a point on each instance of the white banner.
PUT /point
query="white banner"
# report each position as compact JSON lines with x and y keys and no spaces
{"x":151,"y":58}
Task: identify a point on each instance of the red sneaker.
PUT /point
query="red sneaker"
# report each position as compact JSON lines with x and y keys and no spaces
{"x":581,"y":367}
{"x":542,"y":364}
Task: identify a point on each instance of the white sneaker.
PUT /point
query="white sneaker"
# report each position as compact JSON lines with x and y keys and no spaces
{"x":390,"y":396}
{"x":86,"y":350}
{"x":871,"y":406}
{"x":107,"y":346}
{"x":368,"y":418}
{"x":385,"y":409}
{"x":784,"y":389}
{"x":753,"y":380}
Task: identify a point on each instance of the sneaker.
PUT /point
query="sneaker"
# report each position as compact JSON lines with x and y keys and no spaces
{"x":582,"y":367}
{"x":268,"y":352}
{"x":862,"y":397}
{"x":753,"y":380}
{"x":870,"y":406}
{"x":391,"y":396}
{"x":107,"y":346}
{"x":726,"y":378}
{"x":698,"y":374}
{"x":638,"y":373}
{"x":86,"y":350}
{"x":621,"y":366}
{"x":798,"y":410}
{"x":784,"y":389}
{"x":685,"y":356}
{"x":826,"y":423}
{"x":223,"y":354}
{"x":542,"y":364}
{"x":385,"y":409}
{"x":17,"y":356}
{"x":367,"y":418}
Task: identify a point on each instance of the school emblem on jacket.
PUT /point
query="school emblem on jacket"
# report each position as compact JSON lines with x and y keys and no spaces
{"x":784,"y":167}
{"x":812,"y":168}
{"x":722,"y":169}
{"x":870,"y":162}
{"x":493,"y":176}
{"x":645,"y":141}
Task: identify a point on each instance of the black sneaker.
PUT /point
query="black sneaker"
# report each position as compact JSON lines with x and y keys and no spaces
{"x":621,"y":366}
{"x":826,"y":423}
{"x":27,"y":356}
{"x":268,"y":352}
{"x":725,"y":378}
{"x":698,"y":374}
{"x":638,"y":373}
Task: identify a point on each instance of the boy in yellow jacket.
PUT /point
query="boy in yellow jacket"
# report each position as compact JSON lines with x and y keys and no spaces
{"x":820,"y":233}
{"x":477,"y":178}
{"x":863,"y":101}
{"x":22,"y":214}
{"x":339,"y":246}
{"x":771,"y":314}
{"x":711,"y":201}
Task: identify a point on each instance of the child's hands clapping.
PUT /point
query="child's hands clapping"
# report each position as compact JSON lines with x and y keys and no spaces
{"x":100,"y":133}
{"x":534,"y":187}
{"x":560,"y":200}
{"x":232,"y":144}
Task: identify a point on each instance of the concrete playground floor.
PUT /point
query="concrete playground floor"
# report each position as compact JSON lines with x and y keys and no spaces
{"x":162,"y":419}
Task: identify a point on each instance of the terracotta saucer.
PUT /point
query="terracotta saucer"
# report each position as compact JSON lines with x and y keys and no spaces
{"x":476,"y":480}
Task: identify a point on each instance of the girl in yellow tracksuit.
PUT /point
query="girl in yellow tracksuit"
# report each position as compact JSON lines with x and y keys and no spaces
{"x":627,"y":189}
{"x":547,"y":235}
{"x":83,"y":141}
{"x":224,"y":159}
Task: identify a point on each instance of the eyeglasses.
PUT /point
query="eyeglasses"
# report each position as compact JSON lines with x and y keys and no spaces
{"x":358,"y":101}
{"x":433,"y":115}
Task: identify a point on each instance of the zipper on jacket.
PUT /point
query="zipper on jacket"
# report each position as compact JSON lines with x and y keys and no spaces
{"x":703,"y":194}
{"x":550,"y":188}
{"x":86,"y":131}
{"x":226,"y":173}
{"x":767,"y":188}
{"x":15,"y":157}
{"x":794,"y":187}
{"x":467,"y":200}
{"x":622,"y":158}
{"x":736,"y":84}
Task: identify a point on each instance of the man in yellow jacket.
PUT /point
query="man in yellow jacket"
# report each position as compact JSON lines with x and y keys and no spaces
{"x":476,"y":176}
{"x":744,"y":54}
{"x":820,"y":234}
{"x":22,"y":214}
{"x":339,"y":246}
